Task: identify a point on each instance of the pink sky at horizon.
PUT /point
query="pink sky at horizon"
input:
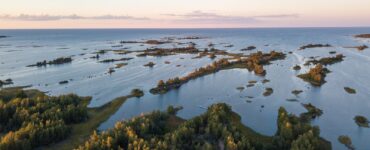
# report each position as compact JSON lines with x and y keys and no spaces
{"x":182,"y":14}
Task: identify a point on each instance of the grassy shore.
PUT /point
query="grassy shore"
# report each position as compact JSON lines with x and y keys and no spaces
{"x":82,"y":131}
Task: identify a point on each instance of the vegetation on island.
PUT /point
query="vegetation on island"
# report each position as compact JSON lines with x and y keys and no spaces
{"x":191,"y":38}
{"x":326,"y":60}
{"x":57,"y":61}
{"x":346,"y":140}
{"x":360,"y":48}
{"x":3,"y":36}
{"x":63,"y":82}
{"x":149,"y":64}
{"x":6,"y":82}
{"x":240,"y":88}
{"x":114,"y":60}
{"x":120,"y":65}
{"x":155,"y":42}
{"x":268,"y":91}
{"x":137,"y":93}
{"x":32,"y":120}
{"x":297,"y":92}
{"x":312,"y":112}
{"x":316,"y":75}
{"x":362,"y":36}
{"x":297,"y":67}
{"x":362,"y":121}
{"x":249,"y":48}
{"x":350,"y":90}
{"x":265,"y":81}
{"x":314,"y":46}
{"x":217,"y":128}
{"x":166,"y":52}
{"x":254,"y":63}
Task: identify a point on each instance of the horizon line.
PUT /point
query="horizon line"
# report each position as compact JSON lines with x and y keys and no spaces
{"x":97,"y":28}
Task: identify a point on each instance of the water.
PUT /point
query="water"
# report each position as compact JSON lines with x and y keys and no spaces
{"x":89,"y":78}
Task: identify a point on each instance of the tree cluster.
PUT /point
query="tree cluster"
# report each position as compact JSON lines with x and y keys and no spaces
{"x":215,"y":129}
{"x":28,"y":122}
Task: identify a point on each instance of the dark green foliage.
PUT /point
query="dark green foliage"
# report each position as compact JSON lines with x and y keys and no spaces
{"x":173,"y":110}
{"x":6,"y":82}
{"x":207,"y":131}
{"x":114,"y":60}
{"x":350,"y":90}
{"x":58,"y":61}
{"x":312,"y":113}
{"x":362,"y":121}
{"x":28,"y":122}
{"x":294,"y":134}
{"x":215,"y":129}
{"x":137,"y":93}
{"x":316,"y":76}
{"x":346,"y":140}
{"x":326,"y":60}
{"x":314,"y":46}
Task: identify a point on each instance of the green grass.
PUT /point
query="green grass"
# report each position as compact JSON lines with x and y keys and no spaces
{"x":82,"y":131}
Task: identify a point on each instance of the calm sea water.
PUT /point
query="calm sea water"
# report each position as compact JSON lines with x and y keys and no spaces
{"x":89,"y":78}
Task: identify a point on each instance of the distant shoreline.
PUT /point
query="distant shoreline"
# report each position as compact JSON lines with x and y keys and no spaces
{"x":231,"y":28}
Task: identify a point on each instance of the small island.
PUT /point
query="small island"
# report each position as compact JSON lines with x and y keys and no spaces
{"x":6,"y":82}
{"x":114,"y":60}
{"x":360,"y":48}
{"x":316,"y":75}
{"x":3,"y":36}
{"x":350,"y":90}
{"x":254,"y":63}
{"x":314,"y":46}
{"x":362,"y":121}
{"x":249,"y":48}
{"x":268,"y":91}
{"x":312,"y":113}
{"x":297,"y":67}
{"x":346,"y":140}
{"x":137,"y":93}
{"x":326,"y":60}
{"x":58,"y":61}
{"x":149,"y":64}
{"x":362,"y":36}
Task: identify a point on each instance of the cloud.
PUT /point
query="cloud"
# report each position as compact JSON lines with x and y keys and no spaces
{"x":26,"y":17}
{"x":206,"y":17}
{"x":279,"y":16}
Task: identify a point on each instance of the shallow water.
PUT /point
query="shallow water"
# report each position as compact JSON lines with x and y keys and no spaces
{"x":89,"y":78}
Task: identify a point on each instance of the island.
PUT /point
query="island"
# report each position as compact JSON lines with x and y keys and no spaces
{"x":316,"y":75}
{"x":57,"y":61}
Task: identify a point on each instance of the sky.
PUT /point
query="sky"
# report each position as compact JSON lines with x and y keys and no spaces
{"x":23,"y":14}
